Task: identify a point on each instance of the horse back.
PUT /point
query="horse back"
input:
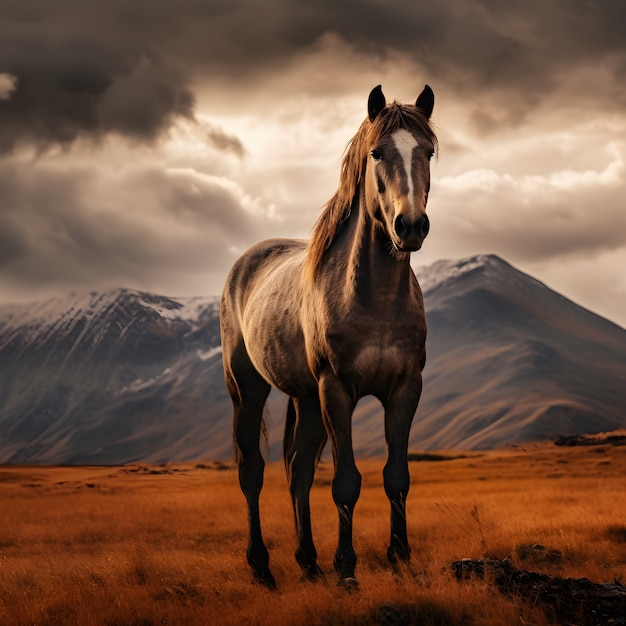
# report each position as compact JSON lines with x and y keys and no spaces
{"x":253,"y":266}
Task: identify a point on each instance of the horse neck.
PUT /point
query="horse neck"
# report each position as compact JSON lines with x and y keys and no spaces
{"x":373,"y":275}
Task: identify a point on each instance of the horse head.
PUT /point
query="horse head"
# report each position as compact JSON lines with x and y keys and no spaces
{"x":400,"y":143}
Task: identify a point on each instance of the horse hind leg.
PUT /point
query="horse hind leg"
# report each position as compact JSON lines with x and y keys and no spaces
{"x":304,"y":441}
{"x":249,"y":392}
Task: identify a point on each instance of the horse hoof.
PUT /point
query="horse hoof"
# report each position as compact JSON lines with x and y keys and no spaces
{"x":313,"y":574}
{"x":265,"y":578}
{"x":349,"y":583}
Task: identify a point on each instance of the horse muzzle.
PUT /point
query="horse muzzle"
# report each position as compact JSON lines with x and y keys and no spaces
{"x":410,"y":235}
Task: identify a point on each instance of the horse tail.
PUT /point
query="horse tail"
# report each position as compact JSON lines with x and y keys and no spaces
{"x":290,"y":425}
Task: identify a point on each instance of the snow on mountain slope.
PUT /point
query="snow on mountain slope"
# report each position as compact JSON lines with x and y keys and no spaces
{"x":96,"y":377}
{"x":489,"y":266}
{"x":95,"y":312}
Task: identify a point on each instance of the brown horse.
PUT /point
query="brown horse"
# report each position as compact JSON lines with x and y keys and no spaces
{"x":331,"y":321}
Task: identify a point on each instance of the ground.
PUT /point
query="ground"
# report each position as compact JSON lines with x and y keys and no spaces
{"x":166,"y":544}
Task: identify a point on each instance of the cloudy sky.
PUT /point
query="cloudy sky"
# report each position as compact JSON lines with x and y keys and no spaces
{"x":147,"y":143}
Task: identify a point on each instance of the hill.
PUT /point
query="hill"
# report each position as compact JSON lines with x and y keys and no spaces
{"x":510,"y":360}
{"x":124,"y":376}
{"x":111,"y":378}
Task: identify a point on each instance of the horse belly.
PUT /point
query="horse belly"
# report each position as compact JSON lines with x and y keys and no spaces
{"x":283,"y":364}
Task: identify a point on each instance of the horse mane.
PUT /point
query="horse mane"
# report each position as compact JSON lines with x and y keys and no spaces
{"x":392,"y":118}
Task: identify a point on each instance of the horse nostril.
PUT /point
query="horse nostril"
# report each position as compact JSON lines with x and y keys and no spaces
{"x":412,"y":230}
{"x":423,"y":225}
{"x":401,"y":227}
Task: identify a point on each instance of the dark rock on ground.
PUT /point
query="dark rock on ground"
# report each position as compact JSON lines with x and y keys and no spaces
{"x":566,"y":600}
{"x":602,"y":439}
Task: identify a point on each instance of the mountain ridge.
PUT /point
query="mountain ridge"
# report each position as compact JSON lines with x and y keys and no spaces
{"x":123,"y":375}
{"x":525,"y":333}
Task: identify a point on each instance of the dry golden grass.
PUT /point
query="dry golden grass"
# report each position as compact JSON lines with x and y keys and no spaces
{"x":152,"y":545}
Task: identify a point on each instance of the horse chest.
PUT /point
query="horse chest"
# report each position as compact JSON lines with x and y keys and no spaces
{"x":375,"y":352}
{"x":374,"y":361}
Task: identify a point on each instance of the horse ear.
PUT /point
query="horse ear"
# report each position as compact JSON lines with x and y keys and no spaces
{"x":426,"y":101}
{"x":376,"y":102}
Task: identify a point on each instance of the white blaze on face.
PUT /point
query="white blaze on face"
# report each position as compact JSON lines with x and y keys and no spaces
{"x":405,"y":144}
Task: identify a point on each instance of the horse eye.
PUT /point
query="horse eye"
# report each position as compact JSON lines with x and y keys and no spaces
{"x":376,"y":155}
{"x":431,"y":154}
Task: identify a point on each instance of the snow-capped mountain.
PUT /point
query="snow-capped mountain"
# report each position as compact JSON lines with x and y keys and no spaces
{"x":510,"y":360}
{"x":123,"y":376}
{"x":108,"y":377}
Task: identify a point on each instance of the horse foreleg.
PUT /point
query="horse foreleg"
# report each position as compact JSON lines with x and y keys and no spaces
{"x":398,"y":419}
{"x":248,"y":416}
{"x":337,"y":407}
{"x":304,"y":439}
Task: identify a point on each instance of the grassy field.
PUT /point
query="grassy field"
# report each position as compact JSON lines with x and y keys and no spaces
{"x":166,"y":544}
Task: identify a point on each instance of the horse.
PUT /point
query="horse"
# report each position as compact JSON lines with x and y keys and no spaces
{"x":330,"y":321}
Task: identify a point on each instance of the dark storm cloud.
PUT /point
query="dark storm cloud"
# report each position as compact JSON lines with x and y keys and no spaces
{"x":72,"y":88}
{"x":519,"y":49}
{"x":77,"y":75}
{"x":222,"y":140}
{"x":86,"y":69}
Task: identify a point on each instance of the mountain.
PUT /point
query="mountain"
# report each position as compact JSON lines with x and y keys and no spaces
{"x":111,"y":378}
{"x":124,"y":376}
{"x":509,"y":360}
